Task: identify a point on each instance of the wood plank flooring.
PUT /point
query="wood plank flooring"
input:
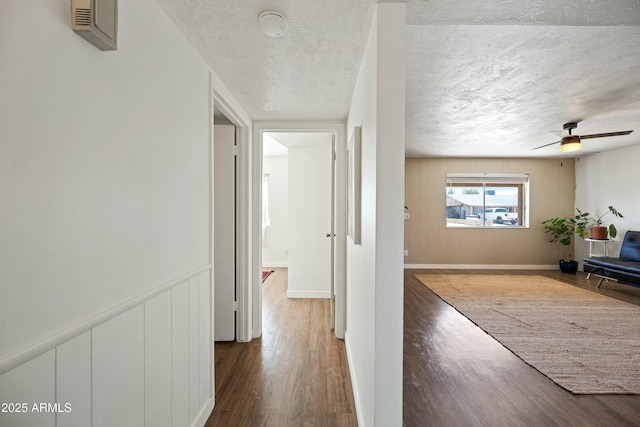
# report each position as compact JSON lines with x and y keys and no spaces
{"x":457,"y":375}
{"x":454,"y":373}
{"x":295,"y":375}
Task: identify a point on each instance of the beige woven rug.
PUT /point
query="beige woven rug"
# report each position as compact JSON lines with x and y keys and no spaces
{"x":585,"y":342}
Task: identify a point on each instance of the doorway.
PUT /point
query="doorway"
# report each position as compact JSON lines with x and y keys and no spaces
{"x":297,"y":202}
{"x":224,"y":230}
{"x":235,"y":201}
{"x":310,"y":211}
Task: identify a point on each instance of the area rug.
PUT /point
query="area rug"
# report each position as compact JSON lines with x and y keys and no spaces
{"x":585,"y":342}
{"x":265,"y":274}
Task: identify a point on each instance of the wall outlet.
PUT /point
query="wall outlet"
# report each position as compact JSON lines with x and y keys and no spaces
{"x":406,"y":252}
{"x":406,"y":215}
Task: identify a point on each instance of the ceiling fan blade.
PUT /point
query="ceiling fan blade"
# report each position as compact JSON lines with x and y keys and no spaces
{"x":546,"y":145}
{"x":604,"y":135}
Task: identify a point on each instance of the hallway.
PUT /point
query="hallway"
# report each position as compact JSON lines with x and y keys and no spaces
{"x":295,"y":375}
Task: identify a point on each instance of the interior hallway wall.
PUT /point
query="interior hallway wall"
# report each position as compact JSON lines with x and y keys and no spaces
{"x":375,"y":267}
{"x":276,"y":253}
{"x":105,"y":243}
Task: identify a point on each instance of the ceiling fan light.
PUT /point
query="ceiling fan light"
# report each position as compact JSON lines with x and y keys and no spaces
{"x":570,"y":143}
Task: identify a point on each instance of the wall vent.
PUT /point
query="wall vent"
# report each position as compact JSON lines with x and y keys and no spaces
{"x":96,"y":21}
{"x":83,"y":17}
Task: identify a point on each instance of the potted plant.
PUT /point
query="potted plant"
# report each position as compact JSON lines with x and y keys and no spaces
{"x":592,"y":226}
{"x":562,"y":231}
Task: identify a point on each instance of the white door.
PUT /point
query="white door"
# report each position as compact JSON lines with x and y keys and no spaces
{"x":224,"y":262}
{"x":310,"y":207}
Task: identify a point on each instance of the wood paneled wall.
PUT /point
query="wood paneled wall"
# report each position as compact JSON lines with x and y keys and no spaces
{"x":430,"y":243}
{"x":147,"y":366}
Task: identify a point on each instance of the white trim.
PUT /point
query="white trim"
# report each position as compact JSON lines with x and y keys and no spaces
{"x":309,"y":294}
{"x":27,"y":353}
{"x":247,"y":268}
{"x":354,"y":384}
{"x":482,"y":267}
{"x":338,"y":128}
{"x":212,"y":106}
{"x":204,"y":414}
{"x":279,"y":264}
{"x":256,"y":227}
{"x":228,"y":104}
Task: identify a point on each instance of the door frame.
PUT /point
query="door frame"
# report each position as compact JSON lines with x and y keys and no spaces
{"x":246,"y":273}
{"x":340,"y":267}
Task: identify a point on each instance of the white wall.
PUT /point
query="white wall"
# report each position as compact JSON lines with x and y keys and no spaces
{"x":309,"y":221}
{"x":105,"y":189}
{"x":604,"y":179}
{"x":275,"y":254}
{"x":375,"y":268}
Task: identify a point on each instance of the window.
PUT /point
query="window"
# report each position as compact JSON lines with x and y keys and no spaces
{"x":487,"y":200}
{"x":266,"y":218}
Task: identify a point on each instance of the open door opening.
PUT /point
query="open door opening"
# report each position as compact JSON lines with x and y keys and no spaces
{"x":224,"y":228}
{"x":298,"y":210}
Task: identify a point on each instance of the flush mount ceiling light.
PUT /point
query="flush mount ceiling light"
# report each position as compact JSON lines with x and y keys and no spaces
{"x":272,"y":23}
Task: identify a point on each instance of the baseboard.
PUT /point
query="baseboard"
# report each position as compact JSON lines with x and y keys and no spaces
{"x":482,"y":267}
{"x":309,"y":294}
{"x":283,"y":264}
{"x":204,"y":414}
{"x":354,"y":383}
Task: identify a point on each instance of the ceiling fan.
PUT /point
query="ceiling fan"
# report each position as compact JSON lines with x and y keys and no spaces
{"x":571,"y":142}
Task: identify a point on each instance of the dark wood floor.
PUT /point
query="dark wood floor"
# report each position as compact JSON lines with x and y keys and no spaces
{"x":295,"y":375}
{"x":457,"y":375}
{"x":454,"y":373}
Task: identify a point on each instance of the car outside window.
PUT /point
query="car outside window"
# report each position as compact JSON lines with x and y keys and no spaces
{"x":486,"y":200}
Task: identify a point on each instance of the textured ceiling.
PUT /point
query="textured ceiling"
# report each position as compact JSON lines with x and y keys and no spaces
{"x":485,"y":78}
{"x":518,"y":12}
{"x":500,"y":90}
{"x":307,"y":74}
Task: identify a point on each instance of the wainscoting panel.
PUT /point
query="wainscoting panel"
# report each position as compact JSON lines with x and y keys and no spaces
{"x":194,"y":349}
{"x":157,"y":356}
{"x":118,"y":370}
{"x":206,"y":351}
{"x":146,"y":362}
{"x":30,"y":383}
{"x":73,"y":381}
{"x":180,"y":355}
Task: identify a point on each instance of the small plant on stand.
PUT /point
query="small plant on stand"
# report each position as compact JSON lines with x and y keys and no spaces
{"x":587,"y":225}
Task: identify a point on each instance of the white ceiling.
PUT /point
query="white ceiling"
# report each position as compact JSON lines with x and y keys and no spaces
{"x":485,"y":78}
{"x":271,"y":147}
{"x":279,"y":143}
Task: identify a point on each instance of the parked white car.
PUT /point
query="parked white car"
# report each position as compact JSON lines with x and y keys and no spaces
{"x":499,"y":215}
